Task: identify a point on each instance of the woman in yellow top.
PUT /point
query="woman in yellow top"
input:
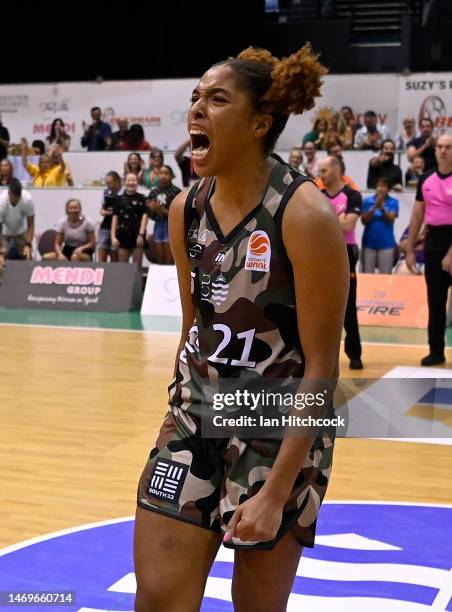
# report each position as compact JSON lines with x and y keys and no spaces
{"x":44,"y":175}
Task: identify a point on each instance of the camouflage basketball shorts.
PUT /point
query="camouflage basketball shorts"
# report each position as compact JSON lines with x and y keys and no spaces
{"x":202,"y":481}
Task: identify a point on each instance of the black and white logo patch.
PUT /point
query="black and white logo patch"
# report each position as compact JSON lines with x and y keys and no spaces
{"x":167,"y":480}
{"x":196,"y":251}
{"x":219,"y":257}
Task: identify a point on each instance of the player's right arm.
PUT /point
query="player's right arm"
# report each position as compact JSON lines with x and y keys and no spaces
{"x":176,"y":227}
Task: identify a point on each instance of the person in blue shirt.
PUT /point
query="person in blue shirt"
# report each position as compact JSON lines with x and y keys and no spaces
{"x":379,"y":212}
{"x":97,"y":136}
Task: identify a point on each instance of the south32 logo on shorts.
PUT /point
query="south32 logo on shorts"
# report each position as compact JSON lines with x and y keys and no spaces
{"x":167,"y":480}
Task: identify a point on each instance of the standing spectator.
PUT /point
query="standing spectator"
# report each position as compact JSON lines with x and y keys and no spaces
{"x":378,"y":215}
{"x":111,"y":195}
{"x":44,"y":175}
{"x":75,"y":239}
{"x":134,"y":139}
{"x":424,"y":145}
{"x":434,"y":206}
{"x":383,"y":166}
{"x":296,"y":157}
{"x":159,"y":201}
{"x":130,"y":219}
{"x":150,"y":178}
{"x":17,"y":220}
{"x":134,"y":165}
{"x":56,"y":159}
{"x":97,"y":136}
{"x":414,"y":171}
{"x":372,"y":134}
{"x":351,"y":128}
{"x":6,"y":172}
{"x":117,"y":138}
{"x":58,"y":136}
{"x":38,"y":147}
{"x":185,"y":164}
{"x":318,"y":133}
{"x":4,"y":141}
{"x":407,"y":134}
{"x":311,"y":165}
{"x":347,"y":204}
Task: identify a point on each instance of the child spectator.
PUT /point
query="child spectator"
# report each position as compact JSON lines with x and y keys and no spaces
{"x":159,"y":201}
{"x":111,"y":194}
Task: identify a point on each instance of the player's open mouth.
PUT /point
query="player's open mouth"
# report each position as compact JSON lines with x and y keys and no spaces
{"x":200,"y":145}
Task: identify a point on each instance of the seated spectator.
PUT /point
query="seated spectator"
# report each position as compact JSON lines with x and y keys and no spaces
{"x":407,"y":134}
{"x":150,"y":178}
{"x":296,"y":158}
{"x":401,"y":267}
{"x":372,"y":134}
{"x":38,"y":147}
{"x":134,"y":139}
{"x":317,"y":134}
{"x":6,"y":172}
{"x":335,"y":132}
{"x":4,"y":141}
{"x":311,"y":164}
{"x":97,"y":136}
{"x":159,"y":201}
{"x":17,"y":220}
{"x":336,"y":151}
{"x":56,"y":159}
{"x":378,"y":215}
{"x":44,"y":175}
{"x":414,"y":172}
{"x":383,"y":166}
{"x":423,"y":145}
{"x":111,"y":195}
{"x":184,"y":162}
{"x":75,"y":239}
{"x":351,"y":127}
{"x":58,"y":136}
{"x":117,"y":138}
{"x":130,"y":219}
{"x":134,"y":165}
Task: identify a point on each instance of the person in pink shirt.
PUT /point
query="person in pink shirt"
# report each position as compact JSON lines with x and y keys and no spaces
{"x":434,"y":206}
{"x":347,"y":204}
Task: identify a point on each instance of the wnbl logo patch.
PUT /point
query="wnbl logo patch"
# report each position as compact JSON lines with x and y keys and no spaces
{"x":258,"y":252}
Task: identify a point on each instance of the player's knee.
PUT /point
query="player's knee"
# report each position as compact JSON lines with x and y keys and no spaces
{"x":152,"y":598}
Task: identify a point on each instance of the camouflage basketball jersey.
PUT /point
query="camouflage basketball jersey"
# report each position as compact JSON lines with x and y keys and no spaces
{"x":243,"y":292}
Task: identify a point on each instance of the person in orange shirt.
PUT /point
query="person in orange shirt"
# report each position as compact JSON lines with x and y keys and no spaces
{"x":336,"y":151}
{"x":44,"y":175}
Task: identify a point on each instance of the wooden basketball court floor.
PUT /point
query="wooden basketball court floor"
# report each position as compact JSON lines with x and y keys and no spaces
{"x":82,"y":397}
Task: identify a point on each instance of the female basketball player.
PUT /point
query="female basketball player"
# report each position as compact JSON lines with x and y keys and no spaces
{"x":263,"y":278}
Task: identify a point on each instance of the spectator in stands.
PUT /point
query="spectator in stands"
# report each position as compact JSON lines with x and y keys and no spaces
{"x":38,"y":147}
{"x":58,"y":136}
{"x":336,"y":151}
{"x":6,"y":172}
{"x":401,"y":267}
{"x":117,"y":138}
{"x":423,"y":145}
{"x":159,"y":201}
{"x":184,"y":162}
{"x":134,"y":164}
{"x":97,"y":136}
{"x":335,"y":132}
{"x":75,"y":239}
{"x":130,"y":219}
{"x":318,"y":133}
{"x":4,"y":141}
{"x":150,"y":178}
{"x":347,"y":204}
{"x":44,"y":175}
{"x":17,"y":220}
{"x":134,"y":139}
{"x":372,"y":134}
{"x":383,"y":166}
{"x":414,"y":172}
{"x":111,"y":195}
{"x":56,"y":158}
{"x":311,"y":164}
{"x":379,"y":212}
{"x":407,"y":134}
{"x":352,"y":126}
{"x":296,"y":158}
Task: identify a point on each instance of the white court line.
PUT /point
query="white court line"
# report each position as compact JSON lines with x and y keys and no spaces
{"x":443,"y":596}
{"x":96,"y":329}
